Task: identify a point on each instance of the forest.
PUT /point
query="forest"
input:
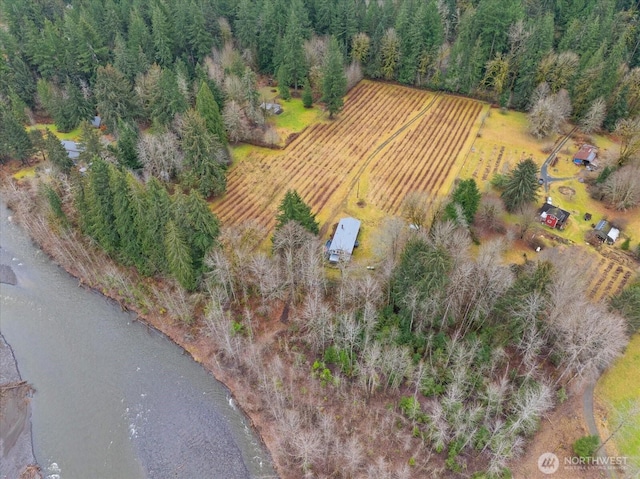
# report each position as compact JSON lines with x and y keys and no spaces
{"x":441,"y":360}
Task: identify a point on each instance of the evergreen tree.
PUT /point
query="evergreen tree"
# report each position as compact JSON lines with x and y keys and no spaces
{"x":198,"y":37}
{"x":152,"y":222}
{"x":293,"y":59}
{"x":245,"y":24}
{"x":124,"y":219}
{"x":99,"y":199}
{"x":334,"y":81}
{"x":192,"y":215}
{"x":293,"y":208}
{"x":56,"y":153}
{"x":283,"y":83}
{"x":162,"y":36}
{"x":209,"y":110}
{"x":522,"y":186}
{"x":90,"y":142}
{"x":169,"y":99}
{"x":178,"y":257}
{"x":77,"y":108}
{"x":14,"y":141}
{"x":203,"y":156}
{"x":467,"y":195}
{"x":307,"y":94}
{"x":126,"y":148}
{"x":139,"y":38}
{"x":114,"y":97}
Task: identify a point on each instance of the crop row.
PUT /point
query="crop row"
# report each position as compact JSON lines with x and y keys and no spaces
{"x":321,"y":158}
{"x":423,"y":159}
{"x":608,"y":281}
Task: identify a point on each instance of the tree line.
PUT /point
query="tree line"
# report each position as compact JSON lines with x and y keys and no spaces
{"x":493,"y":49}
{"x":138,"y":224}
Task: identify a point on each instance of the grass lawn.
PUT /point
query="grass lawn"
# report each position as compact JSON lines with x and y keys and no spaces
{"x":619,"y":385}
{"x":295,"y":117}
{"x":71,"y":135}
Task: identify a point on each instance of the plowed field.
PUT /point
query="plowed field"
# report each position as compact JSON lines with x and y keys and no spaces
{"x":389,"y":140}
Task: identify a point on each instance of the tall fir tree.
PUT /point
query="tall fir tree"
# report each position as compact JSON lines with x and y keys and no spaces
{"x":522,"y":186}
{"x":124,"y":219}
{"x":467,"y":195}
{"x":209,"y":110}
{"x":90,"y":142}
{"x":126,"y":147}
{"x":114,"y":97}
{"x":293,"y":208}
{"x":334,"y":81}
{"x":14,"y":140}
{"x":99,"y":198}
{"x":203,"y":156}
{"x":56,"y":153}
{"x":179,"y":260}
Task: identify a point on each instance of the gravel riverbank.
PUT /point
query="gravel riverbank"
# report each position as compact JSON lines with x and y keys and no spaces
{"x":16,"y":448}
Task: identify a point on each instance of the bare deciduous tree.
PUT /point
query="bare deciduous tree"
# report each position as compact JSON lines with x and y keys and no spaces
{"x":415,"y":208}
{"x":622,"y":188}
{"x":628,"y":130}
{"x":235,"y":122}
{"x":592,"y":120}
{"x":160,"y":155}
{"x":490,"y":213}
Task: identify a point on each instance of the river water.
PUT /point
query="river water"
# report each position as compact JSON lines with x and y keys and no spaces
{"x":114,"y":399}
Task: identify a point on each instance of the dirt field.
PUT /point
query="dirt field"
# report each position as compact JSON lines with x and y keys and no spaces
{"x":389,"y":140}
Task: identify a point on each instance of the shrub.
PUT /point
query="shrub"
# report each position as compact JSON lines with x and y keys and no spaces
{"x":586,"y":446}
{"x":409,"y":406}
{"x":499,"y":181}
{"x":625,"y":245}
{"x":562,"y":395}
{"x":604,"y":174}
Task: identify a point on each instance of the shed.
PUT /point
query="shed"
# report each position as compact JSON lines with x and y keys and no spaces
{"x":586,"y":156}
{"x":344,"y":239}
{"x":273,"y":108}
{"x":96,"y":122}
{"x":73,"y":149}
{"x":606,"y":233}
{"x":553,"y":216}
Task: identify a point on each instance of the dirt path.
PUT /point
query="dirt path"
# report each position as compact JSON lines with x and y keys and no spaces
{"x":587,"y":408}
{"x":544,"y":174}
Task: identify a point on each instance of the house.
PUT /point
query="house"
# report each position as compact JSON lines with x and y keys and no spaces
{"x":586,"y":156}
{"x":344,"y":240}
{"x":553,"y":217}
{"x":73,"y":149}
{"x":272,"y":108}
{"x":606,"y":233}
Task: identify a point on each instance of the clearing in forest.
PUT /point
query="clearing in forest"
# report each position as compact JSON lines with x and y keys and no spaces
{"x":388,"y":141}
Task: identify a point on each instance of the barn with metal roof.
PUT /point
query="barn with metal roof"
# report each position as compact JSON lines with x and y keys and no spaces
{"x":344,"y":240}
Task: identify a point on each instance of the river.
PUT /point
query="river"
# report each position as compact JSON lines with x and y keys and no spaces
{"x":113,"y":398}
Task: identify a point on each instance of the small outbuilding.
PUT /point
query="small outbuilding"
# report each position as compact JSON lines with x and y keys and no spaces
{"x":96,"y":122}
{"x":73,"y":149}
{"x":272,"y":108}
{"x":553,"y":216}
{"x":586,"y":156}
{"x":344,"y":240}
{"x":606,"y":233}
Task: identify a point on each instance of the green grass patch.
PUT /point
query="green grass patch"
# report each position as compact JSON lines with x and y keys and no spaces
{"x":295,"y":117}
{"x":71,"y":135}
{"x":29,"y":172}
{"x":617,"y":387}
